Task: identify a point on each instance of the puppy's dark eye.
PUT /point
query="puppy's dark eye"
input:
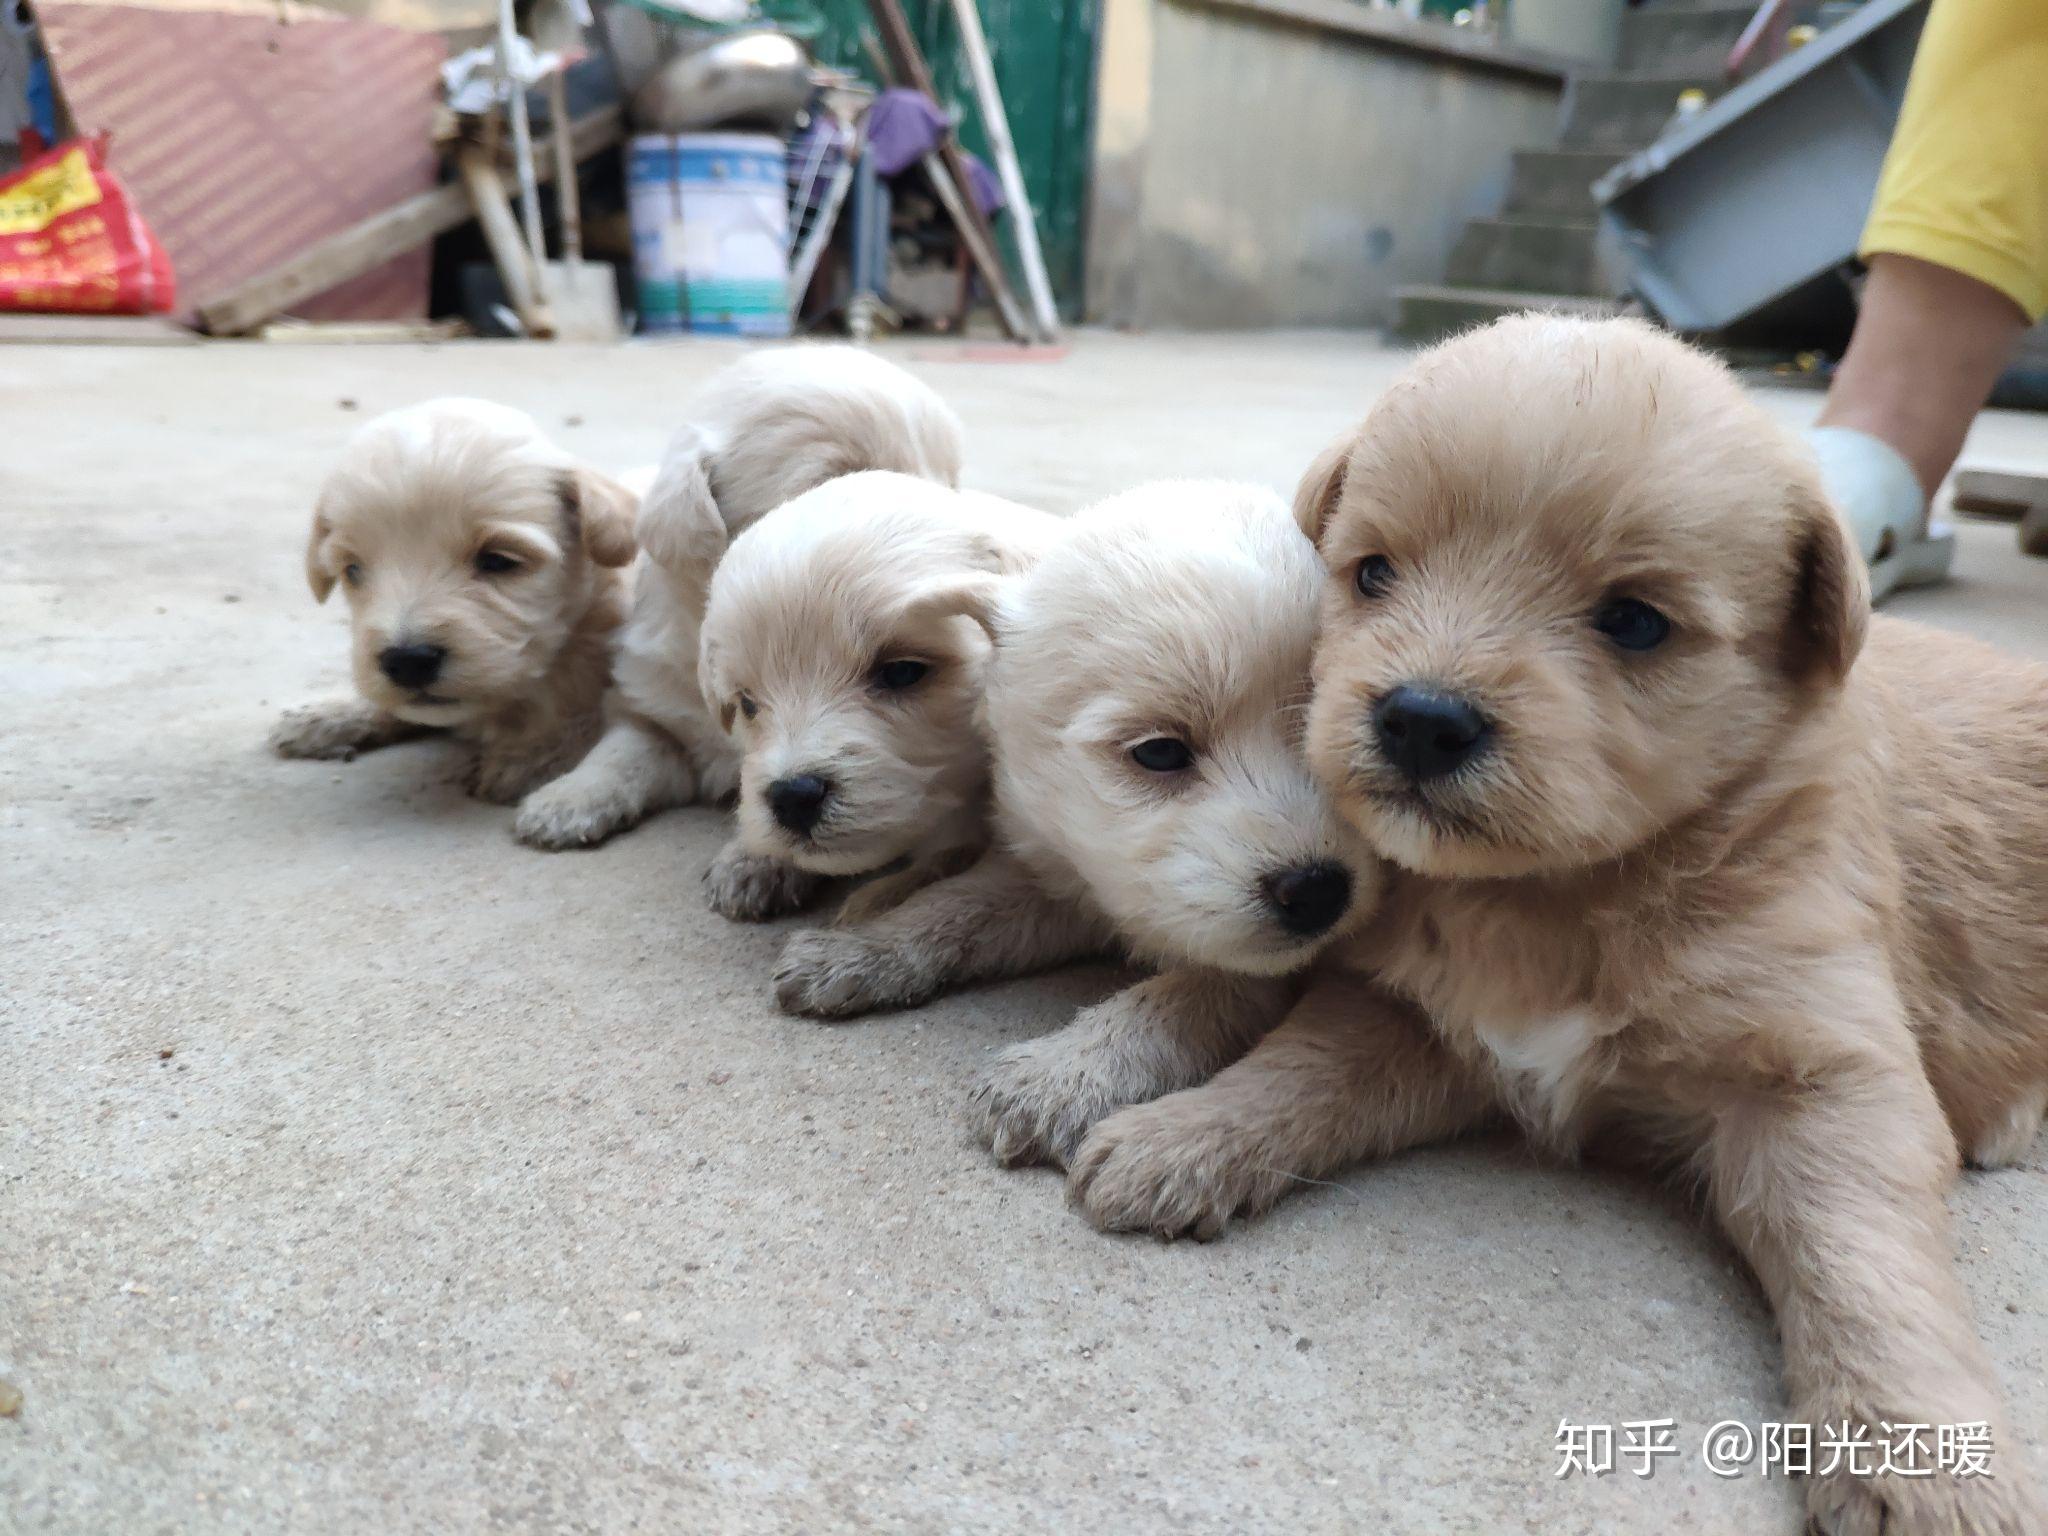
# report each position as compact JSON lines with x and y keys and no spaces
{"x":748,"y":707}
{"x":352,"y":574}
{"x":895,"y":676}
{"x":1162,"y":754}
{"x":1375,"y":576}
{"x":491,"y":562}
{"x":1632,"y":625}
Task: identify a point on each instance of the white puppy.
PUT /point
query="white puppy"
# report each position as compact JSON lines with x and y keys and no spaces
{"x":835,"y":651}
{"x":1144,"y":704}
{"x":770,"y":427}
{"x":481,"y":566}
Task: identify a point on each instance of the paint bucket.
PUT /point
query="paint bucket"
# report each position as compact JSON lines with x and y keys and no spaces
{"x":710,"y":232}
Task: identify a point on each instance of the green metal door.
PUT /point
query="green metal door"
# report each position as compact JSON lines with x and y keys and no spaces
{"x":1044,"y":52}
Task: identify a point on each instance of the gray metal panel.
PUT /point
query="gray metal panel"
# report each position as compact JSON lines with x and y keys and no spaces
{"x":1768,"y":187}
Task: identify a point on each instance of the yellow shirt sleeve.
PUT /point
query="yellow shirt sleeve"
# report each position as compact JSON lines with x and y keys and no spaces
{"x":1965,"y":182}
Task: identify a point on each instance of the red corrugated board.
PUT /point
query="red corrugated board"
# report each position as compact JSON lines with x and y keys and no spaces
{"x":246,"y":136}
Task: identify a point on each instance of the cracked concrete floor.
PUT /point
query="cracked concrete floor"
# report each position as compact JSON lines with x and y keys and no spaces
{"x":360,"y":1169}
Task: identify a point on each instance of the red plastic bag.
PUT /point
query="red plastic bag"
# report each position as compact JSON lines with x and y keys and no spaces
{"x":71,"y":240}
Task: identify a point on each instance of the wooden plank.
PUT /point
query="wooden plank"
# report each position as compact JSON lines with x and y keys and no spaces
{"x":328,"y":333}
{"x":907,"y":62}
{"x":335,"y":260}
{"x":517,"y":267}
{"x":954,"y":197}
{"x":906,"y":59}
{"x":102,"y":330}
{"x":374,"y":241}
{"x":1999,"y":492}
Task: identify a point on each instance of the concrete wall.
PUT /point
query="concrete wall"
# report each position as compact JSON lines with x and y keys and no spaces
{"x":1289,"y":162}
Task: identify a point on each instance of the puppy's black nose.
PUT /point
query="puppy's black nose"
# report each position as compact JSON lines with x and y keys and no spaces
{"x":412,"y":666}
{"x":798,"y":801}
{"x":1310,"y":899}
{"x":1427,"y":735}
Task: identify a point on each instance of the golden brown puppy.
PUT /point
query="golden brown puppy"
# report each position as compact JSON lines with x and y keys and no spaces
{"x":1697,"y":858}
{"x":1143,"y":701}
{"x":482,"y":570}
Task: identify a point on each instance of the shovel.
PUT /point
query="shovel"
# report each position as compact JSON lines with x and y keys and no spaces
{"x":577,"y":300}
{"x":582,"y":296}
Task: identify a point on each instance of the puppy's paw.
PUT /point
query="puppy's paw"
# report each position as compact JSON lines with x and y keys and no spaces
{"x":329,"y":732}
{"x":1177,"y":1167}
{"x":747,"y":888}
{"x":578,"y":810}
{"x":1870,"y":1503}
{"x":833,"y":973}
{"x":559,"y":816}
{"x":2010,"y":1137}
{"x":1039,"y":1099}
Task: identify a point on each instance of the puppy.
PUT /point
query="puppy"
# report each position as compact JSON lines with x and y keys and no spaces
{"x":1145,"y":710}
{"x":835,"y":652}
{"x":770,"y":427}
{"x":1686,"y":865}
{"x":481,"y":565}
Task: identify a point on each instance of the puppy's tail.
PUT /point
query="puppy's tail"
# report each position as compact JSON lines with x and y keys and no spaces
{"x":680,"y":526}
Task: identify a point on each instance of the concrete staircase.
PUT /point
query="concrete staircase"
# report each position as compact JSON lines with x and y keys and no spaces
{"x":1539,"y":251}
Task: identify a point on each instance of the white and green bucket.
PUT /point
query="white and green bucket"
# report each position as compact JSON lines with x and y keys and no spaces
{"x":710,"y":232}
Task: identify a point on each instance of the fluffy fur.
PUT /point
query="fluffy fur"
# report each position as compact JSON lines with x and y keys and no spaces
{"x":773,"y":425}
{"x":808,"y":611}
{"x":1761,"y":902}
{"x":1181,"y":612}
{"x":456,"y":524}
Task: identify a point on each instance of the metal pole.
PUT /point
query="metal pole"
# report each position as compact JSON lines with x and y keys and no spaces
{"x":522,"y":140}
{"x":997,"y":125}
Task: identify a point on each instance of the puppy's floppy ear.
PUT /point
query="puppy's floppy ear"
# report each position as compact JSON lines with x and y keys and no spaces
{"x":318,"y":576}
{"x":712,"y":684}
{"x":1316,"y":497}
{"x":1830,"y":591}
{"x":975,"y":595}
{"x":681,"y":528}
{"x":604,"y":511}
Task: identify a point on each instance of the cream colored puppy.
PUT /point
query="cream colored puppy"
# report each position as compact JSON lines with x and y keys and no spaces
{"x":835,"y":653}
{"x":1145,"y":710}
{"x":481,"y":564}
{"x":1697,"y":859}
{"x":773,"y":425}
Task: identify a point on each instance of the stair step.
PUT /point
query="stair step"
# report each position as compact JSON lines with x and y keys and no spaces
{"x":1555,"y":183}
{"x":1428,"y":312}
{"x":1541,"y":256}
{"x":1663,"y":40}
{"x":1624,"y":112}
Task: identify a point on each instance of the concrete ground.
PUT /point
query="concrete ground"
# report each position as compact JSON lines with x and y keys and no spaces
{"x":362,"y":1170}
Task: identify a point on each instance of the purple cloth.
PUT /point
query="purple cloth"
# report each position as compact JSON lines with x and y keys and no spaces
{"x":904,"y":126}
{"x":988,"y":191}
